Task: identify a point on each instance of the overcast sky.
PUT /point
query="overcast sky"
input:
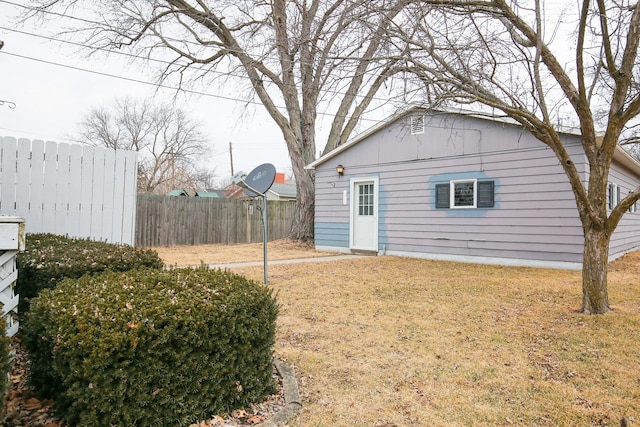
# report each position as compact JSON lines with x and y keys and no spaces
{"x":47,"y":86}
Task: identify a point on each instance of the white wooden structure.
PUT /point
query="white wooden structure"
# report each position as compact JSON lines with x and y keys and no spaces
{"x":11,"y":241}
{"x":70,"y":190}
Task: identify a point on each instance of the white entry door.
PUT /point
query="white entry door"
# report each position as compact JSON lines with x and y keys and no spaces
{"x":364,"y":214}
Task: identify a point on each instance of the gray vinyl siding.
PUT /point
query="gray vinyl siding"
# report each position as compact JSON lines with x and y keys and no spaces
{"x":534,"y":216}
{"x":627,"y":234}
{"x":331,"y":224}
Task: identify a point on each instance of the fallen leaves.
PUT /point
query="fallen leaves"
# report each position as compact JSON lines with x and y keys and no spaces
{"x":32,"y":404}
{"x":22,"y":408}
{"x":213,"y":422}
{"x":239,"y":417}
{"x":255,"y":419}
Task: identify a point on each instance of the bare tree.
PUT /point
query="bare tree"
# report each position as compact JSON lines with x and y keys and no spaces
{"x":301,"y":58}
{"x":500,"y":54}
{"x":634,"y":150}
{"x":169,"y":145}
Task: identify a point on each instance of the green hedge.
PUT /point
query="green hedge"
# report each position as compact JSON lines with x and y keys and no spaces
{"x":150,"y":347}
{"x":49,"y":258}
{"x":5,"y":361}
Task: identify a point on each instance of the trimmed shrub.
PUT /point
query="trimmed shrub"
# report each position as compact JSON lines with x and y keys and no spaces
{"x":49,"y":258}
{"x":151,"y":347}
{"x":5,"y":361}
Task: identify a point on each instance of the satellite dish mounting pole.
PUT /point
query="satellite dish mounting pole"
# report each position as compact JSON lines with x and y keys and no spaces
{"x":264,"y":237}
{"x":259,"y":182}
{"x":264,"y":230}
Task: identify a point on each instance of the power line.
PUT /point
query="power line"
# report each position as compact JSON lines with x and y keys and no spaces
{"x":129,"y":79}
{"x":50,"y":12}
{"x":158,"y":85}
{"x":9,"y":104}
{"x":150,"y":59}
{"x":133,"y":56}
{"x":109,"y":51}
{"x":138,"y":81}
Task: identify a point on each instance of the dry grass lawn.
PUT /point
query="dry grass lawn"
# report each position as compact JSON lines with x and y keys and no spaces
{"x":387,"y":341}
{"x":222,"y":254}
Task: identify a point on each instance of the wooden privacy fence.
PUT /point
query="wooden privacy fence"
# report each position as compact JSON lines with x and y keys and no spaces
{"x":170,"y":221}
{"x":69,"y":189}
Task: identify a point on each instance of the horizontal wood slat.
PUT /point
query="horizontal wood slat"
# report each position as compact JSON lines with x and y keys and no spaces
{"x":171,"y":221}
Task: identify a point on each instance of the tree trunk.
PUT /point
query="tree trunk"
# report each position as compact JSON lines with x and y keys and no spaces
{"x":301,"y":153}
{"x":302,"y":227}
{"x":595,"y":299}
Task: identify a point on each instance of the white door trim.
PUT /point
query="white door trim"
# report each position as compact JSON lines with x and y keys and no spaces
{"x":353,"y":182}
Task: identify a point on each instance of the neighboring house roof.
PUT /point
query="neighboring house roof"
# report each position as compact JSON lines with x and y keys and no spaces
{"x":220,"y":192}
{"x":620,"y":155}
{"x":211,"y":194}
{"x":284,"y":191}
{"x":280,"y":191}
{"x":234,"y":191}
{"x":177,"y":193}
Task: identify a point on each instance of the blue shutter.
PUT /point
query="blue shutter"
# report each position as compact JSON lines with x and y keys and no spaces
{"x":485,"y":194}
{"x":442,"y":195}
{"x":611,"y":195}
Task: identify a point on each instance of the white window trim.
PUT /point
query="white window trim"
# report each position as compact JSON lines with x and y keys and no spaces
{"x":613,"y":195}
{"x":452,"y":196}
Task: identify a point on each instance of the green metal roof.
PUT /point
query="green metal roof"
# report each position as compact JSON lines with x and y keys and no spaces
{"x":284,"y":190}
{"x":207,"y":194}
{"x":177,"y":193}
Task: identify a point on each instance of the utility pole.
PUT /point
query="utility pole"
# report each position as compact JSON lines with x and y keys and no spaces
{"x":231,"y":157}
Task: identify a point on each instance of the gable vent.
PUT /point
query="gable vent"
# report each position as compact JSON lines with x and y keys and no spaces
{"x":417,"y":125}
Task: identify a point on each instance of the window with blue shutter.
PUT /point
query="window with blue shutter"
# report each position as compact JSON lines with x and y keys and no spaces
{"x":466,"y":194}
{"x":614,"y":195}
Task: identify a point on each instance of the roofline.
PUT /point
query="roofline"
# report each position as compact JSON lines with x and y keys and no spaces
{"x":626,"y":159}
{"x":290,"y":196}
{"x":620,"y":154}
{"x":373,"y":129}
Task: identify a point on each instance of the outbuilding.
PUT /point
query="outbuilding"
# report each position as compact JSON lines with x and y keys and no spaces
{"x":463,"y":187}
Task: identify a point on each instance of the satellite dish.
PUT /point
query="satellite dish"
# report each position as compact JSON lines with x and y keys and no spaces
{"x":260,"y":179}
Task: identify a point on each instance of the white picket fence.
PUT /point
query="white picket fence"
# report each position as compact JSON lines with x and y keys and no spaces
{"x":69,"y":189}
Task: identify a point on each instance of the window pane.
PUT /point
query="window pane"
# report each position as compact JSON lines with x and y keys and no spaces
{"x":463,"y":194}
{"x":365,"y":199}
